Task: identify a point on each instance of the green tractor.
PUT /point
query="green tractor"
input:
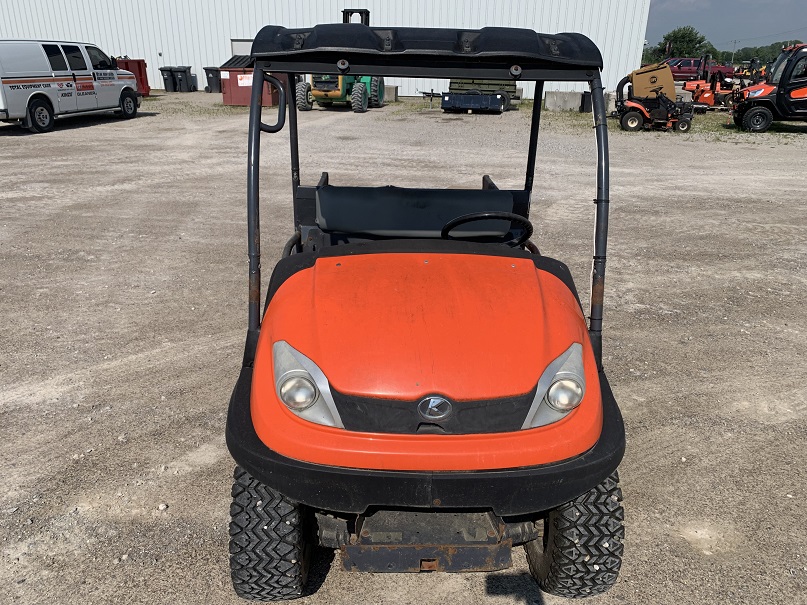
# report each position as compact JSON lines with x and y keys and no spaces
{"x":360,"y":92}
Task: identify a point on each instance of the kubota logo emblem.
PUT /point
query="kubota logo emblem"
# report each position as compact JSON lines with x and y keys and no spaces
{"x":434,"y":408}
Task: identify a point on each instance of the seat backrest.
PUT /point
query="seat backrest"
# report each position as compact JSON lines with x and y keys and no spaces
{"x":401,"y":212}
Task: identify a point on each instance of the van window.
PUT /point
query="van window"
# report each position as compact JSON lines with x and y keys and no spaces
{"x":98,"y":59}
{"x":55,"y":56}
{"x":74,"y":57}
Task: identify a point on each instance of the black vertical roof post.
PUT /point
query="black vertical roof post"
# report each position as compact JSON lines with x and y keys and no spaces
{"x":291,"y":83}
{"x":601,"y":221}
{"x":253,"y":198}
{"x":534,"y":127}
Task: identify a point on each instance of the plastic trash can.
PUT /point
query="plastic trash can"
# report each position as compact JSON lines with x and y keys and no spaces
{"x":213,"y":75}
{"x":182,"y":75}
{"x":168,"y":79}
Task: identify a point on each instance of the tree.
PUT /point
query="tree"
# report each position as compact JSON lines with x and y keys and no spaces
{"x":683,"y":41}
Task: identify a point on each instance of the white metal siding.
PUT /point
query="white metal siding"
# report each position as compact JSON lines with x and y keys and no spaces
{"x":198,"y":32}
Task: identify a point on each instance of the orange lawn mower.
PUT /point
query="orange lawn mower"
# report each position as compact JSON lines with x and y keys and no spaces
{"x":422,"y":391}
{"x":651,"y":102}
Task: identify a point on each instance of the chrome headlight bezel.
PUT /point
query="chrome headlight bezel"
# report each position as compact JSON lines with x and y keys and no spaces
{"x":567,"y":366}
{"x":289,"y":363}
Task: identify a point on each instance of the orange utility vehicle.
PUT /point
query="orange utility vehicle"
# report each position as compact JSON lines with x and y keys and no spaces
{"x":422,"y":390}
{"x":781,"y":97}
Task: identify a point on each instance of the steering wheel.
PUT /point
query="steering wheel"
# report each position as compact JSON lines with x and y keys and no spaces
{"x":525,"y":224}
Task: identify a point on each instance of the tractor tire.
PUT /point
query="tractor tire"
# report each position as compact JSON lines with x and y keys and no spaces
{"x":631,"y":121}
{"x":757,"y":119}
{"x":270,"y":550}
{"x":40,"y":115}
{"x":580,"y":552}
{"x":359,"y":98}
{"x":128,"y":105}
{"x":683,"y":125}
{"x":377,"y":91}
{"x":505,"y":99}
{"x":305,"y":100}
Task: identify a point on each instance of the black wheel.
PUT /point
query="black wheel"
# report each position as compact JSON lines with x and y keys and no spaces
{"x":505,"y":99}
{"x":580,"y":552}
{"x":305,"y":98}
{"x":359,"y":98}
{"x":376,"y":91}
{"x":757,"y":119}
{"x":683,"y":125}
{"x":631,"y":121}
{"x":128,"y":104}
{"x":40,"y":114}
{"x":270,"y":549}
{"x":524,"y":223}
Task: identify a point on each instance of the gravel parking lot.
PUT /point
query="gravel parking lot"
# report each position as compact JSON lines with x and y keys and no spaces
{"x":123,"y":286}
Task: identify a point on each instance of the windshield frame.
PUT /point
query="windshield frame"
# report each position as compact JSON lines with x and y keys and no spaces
{"x":778,"y":67}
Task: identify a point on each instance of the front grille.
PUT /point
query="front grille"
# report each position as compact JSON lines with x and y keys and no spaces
{"x":325,"y":82}
{"x":372,"y":415}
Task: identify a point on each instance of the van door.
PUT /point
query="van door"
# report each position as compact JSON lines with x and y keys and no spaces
{"x":793,"y":91}
{"x":86,"y":97}
{"x":62,"y":77}
{"x":107,"y":86}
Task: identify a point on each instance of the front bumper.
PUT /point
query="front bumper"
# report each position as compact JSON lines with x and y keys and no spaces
{"x":507,"y":492}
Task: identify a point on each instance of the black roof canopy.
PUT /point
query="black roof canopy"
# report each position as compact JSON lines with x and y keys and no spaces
{"x":491,"y":52}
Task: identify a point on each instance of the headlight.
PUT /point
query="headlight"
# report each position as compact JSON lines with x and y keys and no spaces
{"x":297,"y":392}
{"x":564,"y":395}
{"x":754,"y":93}
{"x":303,"y":387}
{"x":560,"y":389}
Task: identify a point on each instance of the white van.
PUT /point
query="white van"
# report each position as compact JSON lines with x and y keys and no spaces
{"x":43,"y":79}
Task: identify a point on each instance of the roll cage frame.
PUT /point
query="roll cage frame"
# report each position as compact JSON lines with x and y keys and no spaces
{"x":489,"y":53}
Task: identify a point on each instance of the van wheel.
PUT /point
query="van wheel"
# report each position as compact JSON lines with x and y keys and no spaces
{"x":40,"y":115}
{"x":580,"y":552}
{"x":128,"y":104}
{"x":270,"y":546}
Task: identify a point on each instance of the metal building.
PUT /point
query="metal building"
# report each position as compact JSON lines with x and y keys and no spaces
{"x":199,"y":32}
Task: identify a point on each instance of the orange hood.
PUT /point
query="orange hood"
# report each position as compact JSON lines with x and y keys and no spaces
{"x":405,"y":325}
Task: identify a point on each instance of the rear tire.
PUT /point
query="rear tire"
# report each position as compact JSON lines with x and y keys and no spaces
{"x":40,"y":115}
{"x":270,"y":549}
{"x":359,"y":98}
{"x":631,"y":121}
{"x":376,"y":92}
{"x":305,"y":98}
{"x":757,"y":119}
{"x":581,"y":550}
{"x":128,"y":105}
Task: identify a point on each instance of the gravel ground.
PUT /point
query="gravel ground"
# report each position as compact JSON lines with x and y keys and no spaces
{"x":123,"y":290}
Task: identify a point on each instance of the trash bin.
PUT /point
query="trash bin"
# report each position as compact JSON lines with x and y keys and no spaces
{"x":213,"y":75}
{"x":168,"y":79}
{"x":182,"y":75}
{"x":585,"y":102}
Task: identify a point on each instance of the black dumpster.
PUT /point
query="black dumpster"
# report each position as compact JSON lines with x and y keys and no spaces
{"x":585,"y":102}
{"x":213,"y":75}
{"x":182,"y":75}
{"x":168,"y":79}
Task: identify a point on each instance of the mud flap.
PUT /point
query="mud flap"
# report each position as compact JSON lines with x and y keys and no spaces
{"x":406,"y":541}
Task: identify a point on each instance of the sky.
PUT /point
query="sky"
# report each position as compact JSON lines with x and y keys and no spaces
{"x":750,"y":22}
